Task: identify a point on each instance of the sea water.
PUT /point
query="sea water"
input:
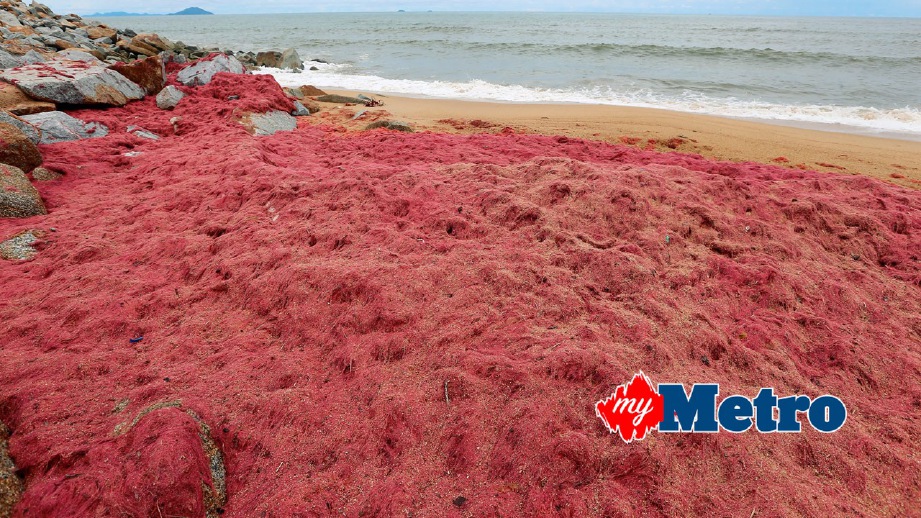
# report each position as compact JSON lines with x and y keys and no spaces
{"x":851,"y":74}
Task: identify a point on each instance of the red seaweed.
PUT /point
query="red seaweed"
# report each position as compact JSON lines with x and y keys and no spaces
{"x":382,"y":323}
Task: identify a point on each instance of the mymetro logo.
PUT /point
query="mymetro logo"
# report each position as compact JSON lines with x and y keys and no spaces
{"x":635,"y":408}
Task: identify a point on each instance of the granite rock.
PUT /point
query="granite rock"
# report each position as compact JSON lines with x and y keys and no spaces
{"x":300,"y":110}
{"x":270,"y":59}
{"x":30,"y":131}
{"x":269,"y":123}
{"x":169,"y":98}
{"x":17,"y":149}
{"x":291,"y":60}
{"x":20,"y":247}
{"x":8,"y":60}
{"x":202,"y":72}
{"x":59,"y":127}
{"x":18,"y":198}
{"x":340,"y":99}
{"x":74,"y":83}
{"x":14,"y":101}
{"x":149,"y":73}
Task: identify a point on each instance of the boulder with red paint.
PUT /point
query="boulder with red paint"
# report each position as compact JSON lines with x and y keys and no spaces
{"x":149,"y":74}
{"x":74,"y":83}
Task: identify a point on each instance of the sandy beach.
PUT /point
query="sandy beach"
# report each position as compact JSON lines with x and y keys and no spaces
{"x":719,"y":138}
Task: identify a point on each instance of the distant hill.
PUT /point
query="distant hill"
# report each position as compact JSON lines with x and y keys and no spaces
{"x":191,"y":10}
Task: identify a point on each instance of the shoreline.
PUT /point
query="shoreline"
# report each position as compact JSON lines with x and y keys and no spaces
{"x":720,"y":138}
{"x":828,"y":127}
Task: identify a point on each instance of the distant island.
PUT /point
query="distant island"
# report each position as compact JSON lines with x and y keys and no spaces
{"x":189,"y":11}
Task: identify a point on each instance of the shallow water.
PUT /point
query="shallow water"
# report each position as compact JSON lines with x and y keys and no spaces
{"x":859,"y":74}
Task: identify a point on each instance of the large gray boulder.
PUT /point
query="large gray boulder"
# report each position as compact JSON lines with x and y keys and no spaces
{"x":8,"y":60}
{"x":78,"y":55}
{"x":32,"y":57}
{"x":60,"y":127}
{"x":169,"y":98}
{"x":74,"y":83}
{"x":270,"y":123}
{"x":274,"y":59}
{"x":300,"y":110}
{"x":9,"y":19}
{"x":290,"y":60}
{"x":340,"y":99}
{"x":18,"y":198}
{"x":202,"y":73}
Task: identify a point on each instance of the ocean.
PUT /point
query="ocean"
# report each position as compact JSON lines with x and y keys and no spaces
{"x":858,"y":75}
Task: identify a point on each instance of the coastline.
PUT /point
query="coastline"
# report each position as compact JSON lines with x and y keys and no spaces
{"x":224,"y":297}
{"x":713,"y":137}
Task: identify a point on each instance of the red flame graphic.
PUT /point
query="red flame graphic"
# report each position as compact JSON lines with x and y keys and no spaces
{"x":633,"y":409}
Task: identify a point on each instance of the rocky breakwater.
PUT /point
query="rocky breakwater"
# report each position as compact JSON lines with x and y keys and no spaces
{"x":55,"y":71}
{"x":30,"y":33}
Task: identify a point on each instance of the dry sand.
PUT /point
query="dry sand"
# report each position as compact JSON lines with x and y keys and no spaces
{"x":896,"y":161}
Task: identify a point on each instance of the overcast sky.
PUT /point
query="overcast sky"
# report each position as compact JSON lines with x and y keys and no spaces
{"x":777,"y":7}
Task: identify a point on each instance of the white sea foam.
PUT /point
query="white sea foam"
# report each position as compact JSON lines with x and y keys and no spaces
{"x":904,"y":121}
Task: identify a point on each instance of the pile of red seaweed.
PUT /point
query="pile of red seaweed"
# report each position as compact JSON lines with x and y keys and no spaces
{"x":380,"y":323}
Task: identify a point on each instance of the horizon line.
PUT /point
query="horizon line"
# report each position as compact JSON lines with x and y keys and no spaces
{"x":433,"y":11}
